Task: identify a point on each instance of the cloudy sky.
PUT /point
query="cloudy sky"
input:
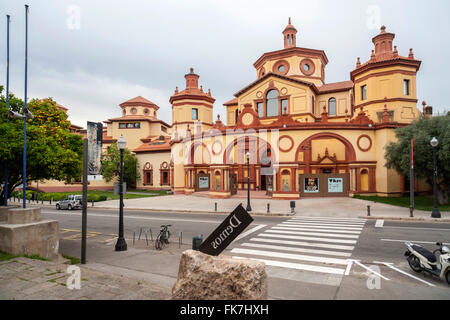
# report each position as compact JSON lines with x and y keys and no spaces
{"x":92,"y":55}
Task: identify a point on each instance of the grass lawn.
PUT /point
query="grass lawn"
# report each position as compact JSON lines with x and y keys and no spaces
{"x":420,"y":202}
{"x":94,"y":195}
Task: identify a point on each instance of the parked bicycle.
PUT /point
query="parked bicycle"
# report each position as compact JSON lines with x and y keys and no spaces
{"x":163,"y":237}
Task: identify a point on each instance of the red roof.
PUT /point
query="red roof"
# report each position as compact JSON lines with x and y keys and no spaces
{"x":155,"y":145}
{"x":231,"y":102}
{"x":139,"y":100}
{"x":336,"y":86}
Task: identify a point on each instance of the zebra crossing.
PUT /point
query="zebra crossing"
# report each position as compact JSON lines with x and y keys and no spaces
{"x":315,"y":244}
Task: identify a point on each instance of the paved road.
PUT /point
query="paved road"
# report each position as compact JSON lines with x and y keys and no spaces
{"x":306,"y":257}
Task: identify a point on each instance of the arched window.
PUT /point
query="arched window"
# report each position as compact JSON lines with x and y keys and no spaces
{"x":236,"y":115}
{"x":332,"y":107}
{"x":272,"y":103}
{"x":364,"y":180}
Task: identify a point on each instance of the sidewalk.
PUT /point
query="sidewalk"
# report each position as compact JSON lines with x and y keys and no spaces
{"x":31,"y":279}
{"x":323,"y":207}
{"x":342,"y":207}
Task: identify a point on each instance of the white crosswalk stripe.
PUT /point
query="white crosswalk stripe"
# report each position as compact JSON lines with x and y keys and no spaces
{"x":314,"y":244}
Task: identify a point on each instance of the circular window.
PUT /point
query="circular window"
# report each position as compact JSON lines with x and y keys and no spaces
{"x":146,"y":111}
{"x":307,"y":67}
{"x":281,"y":67}
{"x":133,"y":110}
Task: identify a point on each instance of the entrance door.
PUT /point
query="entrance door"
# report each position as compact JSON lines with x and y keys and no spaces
{"x":324,"y":185}
{"x":233,"y":183}
{"x":269,"y":185}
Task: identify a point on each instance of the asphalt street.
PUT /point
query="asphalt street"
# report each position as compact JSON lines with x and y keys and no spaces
{"x":306,"y":258}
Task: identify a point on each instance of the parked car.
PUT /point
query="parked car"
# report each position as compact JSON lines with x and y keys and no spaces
{"x":71,"y":202}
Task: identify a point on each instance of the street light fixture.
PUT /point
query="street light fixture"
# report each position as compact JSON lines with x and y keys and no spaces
{"x":435,"y":213}
{"x":121,"y":245}
{"x":249,"y":208}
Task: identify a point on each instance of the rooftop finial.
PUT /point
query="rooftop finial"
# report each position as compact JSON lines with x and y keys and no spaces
{"x":289,"y":20}
{"x":383,"y":29}
{"x":192,"y":70}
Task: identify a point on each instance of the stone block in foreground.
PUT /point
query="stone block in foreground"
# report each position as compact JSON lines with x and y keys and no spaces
{"x":204,"y":277}
{"x":24,"y":233}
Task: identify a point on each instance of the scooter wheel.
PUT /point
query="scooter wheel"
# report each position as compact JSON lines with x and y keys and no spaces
{"x":414,"y":263}
{"x":447,"y":277}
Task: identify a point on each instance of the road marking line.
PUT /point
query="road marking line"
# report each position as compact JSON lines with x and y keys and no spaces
{"x":434,"y":229}
{"x":300,"y":243}
{"x":297,"y":266}
{"x":332,"y":235}
{"x":349,"y":266}
{"x":328,"y":222}
{"x":430,"y":242}
{"x":368,"y":269}
{"x":308,"y":238}
{"x":403,"y":272}
{"x":287,"y":224}
{"x":314,"y":251}
{"x":292,"y":256}
{"x":249,"y":232}
{"x":330,"y":218}
{"x":318,"y":230}
{"x":318,"y":223}
{"x":379,"y":223}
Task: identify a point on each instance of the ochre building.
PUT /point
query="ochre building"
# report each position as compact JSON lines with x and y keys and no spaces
{"x":289,"y":134}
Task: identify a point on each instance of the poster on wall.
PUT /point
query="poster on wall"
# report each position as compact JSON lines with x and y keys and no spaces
{"x":311,"y":185}
{"x":94,"y":136}
{"x":203,"y":182}
{"x":335,"y":184}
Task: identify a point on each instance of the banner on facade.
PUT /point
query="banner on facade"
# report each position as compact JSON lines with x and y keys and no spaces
{"x":94,"y":136}
{"x":335,"y":184}
{"x":226,"y":232}
{"x":311,"y":185}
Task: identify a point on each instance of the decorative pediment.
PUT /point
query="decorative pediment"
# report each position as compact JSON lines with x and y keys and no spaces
{"x":361,"y":118}
{"x":248,"y":117}
{"x":326,"y":158}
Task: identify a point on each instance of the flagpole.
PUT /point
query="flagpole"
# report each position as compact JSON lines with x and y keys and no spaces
{"x":5,"y":192}
{"x":25,"y":113}
{"x":411,"y":181}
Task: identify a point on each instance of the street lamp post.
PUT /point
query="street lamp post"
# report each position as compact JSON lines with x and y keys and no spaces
{"x":435,"y":213}
{"x":121,"y":245}
{"x":249,"y":208}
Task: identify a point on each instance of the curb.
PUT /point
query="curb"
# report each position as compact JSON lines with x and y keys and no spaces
{"x":417,"y":219}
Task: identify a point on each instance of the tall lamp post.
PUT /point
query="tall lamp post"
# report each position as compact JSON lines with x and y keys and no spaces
{"x":5,"y":192}
{"x":121,"y":245}
{"x":435,"y":213}
{"x":249,"y":208}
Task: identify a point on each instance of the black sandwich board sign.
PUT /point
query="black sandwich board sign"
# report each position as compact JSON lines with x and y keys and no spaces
{"x":228,"y":230}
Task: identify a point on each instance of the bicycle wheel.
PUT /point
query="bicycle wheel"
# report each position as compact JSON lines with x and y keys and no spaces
{"x":167,"y":236}
{"x":158,"y":245}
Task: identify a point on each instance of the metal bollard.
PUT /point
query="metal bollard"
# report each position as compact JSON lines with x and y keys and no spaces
{"x":368,"y":211}
{"x":215,"y":206}
{"x":268,"y":208}
{"x":92,"y":202}
{"x":51,"y":199}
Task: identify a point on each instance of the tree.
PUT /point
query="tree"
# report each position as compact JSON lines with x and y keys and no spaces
{"x":422,"y":130}
{"x":52,"y":151}
{"x":111,"y":165}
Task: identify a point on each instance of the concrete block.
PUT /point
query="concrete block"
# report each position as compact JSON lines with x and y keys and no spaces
{"x":40,"y":238}
{"x":23,"y":216}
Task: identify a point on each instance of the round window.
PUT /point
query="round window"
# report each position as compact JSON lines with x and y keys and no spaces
{"x":133,"y":110}
{"x":306,"y":66}
{"x":281,"y":68}
{"x":146,"y":111}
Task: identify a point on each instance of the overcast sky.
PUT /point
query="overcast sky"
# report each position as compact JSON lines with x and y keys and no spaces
{"x":119,"y":49}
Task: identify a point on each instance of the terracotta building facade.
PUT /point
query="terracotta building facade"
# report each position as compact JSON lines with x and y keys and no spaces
{"x":291,"y":134}
{"x":287,"y":134}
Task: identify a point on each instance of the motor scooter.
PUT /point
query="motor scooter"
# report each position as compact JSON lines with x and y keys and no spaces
{"x":436,"y":263}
